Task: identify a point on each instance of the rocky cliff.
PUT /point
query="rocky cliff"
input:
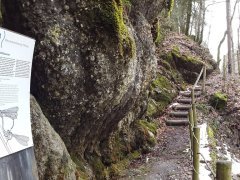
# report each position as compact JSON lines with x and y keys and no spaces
{"x":92,"y":75}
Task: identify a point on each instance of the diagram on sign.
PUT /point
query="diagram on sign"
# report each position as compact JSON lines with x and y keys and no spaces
{"x":8,"y":118}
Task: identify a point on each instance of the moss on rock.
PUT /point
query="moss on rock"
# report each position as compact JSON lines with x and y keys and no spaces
{"x":99,"y":169}
{"x":145,"y":134}
{"x":161,"y":94}
{"x":156,"y":31}
{"x":112,"y":14}
{"x":118,"y":168}
{"x":218,"y":100}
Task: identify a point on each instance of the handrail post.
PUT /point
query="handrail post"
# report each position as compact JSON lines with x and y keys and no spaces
{"x":196,"y":152}
{"x":193,"y":95}
{"x":224,"y":170}
{"x":204,"y":79}
{"x":194,"y":108}
{"x":191,"y":123}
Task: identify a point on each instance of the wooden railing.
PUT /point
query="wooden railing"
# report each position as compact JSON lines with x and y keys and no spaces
{"x":223,"y":167}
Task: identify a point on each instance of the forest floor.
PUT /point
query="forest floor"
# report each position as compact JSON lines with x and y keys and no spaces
{"x":170,"y":158}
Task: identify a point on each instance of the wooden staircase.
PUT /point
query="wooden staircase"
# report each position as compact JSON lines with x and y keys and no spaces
{"x":178,"y":115}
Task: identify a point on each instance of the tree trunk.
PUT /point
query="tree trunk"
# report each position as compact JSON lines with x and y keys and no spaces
{"x":198,"y":32}
{"x":225,"y":34}
{"x":203,"y":22}
{"x":189,"y":14}
{"x":229,"y":33}
{"x":219,"y":48}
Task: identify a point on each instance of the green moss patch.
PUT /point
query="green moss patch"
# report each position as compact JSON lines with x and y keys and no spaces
{"x":118,"y":168}
{"x":218,"y":100}
{"x":156,"y":31}
{"x":112,"y":15}
{"x":145,"y":134}
{"x":161,"y":94}
{"x":81,"y":168}
{"x":185,"y":57}
{"x":98,"y":167}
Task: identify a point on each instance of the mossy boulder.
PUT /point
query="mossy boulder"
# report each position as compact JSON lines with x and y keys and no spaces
{"x":162,"y":91}
{"x":146,"y":132}
{"x":218,"y":100}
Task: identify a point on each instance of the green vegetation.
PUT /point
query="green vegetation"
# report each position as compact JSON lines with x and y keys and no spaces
{"x":185,"y":58}
{"x":81,"y":169}
{"x":147,"y":132}
{"x":218,"y":100}
{"x":157,"y":32}
{"x":151,"y":126}
{"x":112,"y":14}
{"x":98,"y":167}
{"x":161,"y":93}
{"x":127,"y":2}
{"x":116,"y":169}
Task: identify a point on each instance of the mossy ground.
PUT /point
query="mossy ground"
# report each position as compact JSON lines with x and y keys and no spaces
{"x":118,"y":168}
{"x":185,"y":57}
{"x":218,"y":100}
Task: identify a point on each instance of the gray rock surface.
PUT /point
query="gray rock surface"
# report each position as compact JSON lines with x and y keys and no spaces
{"x":53,"y":159}
{"x":93,"y":63}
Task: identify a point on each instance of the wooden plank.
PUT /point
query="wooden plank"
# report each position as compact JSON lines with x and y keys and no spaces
{"x":182,"y":107}
{"x":184,"y":101}
{"x":19,"y":166}
{"x":173,"y":122}
{"x":189,"y":94}
{"x":178,"y":113}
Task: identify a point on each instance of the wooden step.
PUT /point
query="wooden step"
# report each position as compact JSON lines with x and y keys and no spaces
{"x":179,"y":113}
{"x":197,"y":88}
{"x":189,"y":94}
{"x":182,"y":107}
{"x":185,"y":100}
{"x":177,"y":122}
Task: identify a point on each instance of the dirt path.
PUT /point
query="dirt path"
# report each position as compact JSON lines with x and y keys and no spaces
{"x":169,"y":159}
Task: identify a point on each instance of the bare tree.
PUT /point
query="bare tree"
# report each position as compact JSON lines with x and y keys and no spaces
{"x":229,"y":37}
{"x":225,"y":33}
{"x":189,"y":14}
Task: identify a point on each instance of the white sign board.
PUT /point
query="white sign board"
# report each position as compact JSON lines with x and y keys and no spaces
{"x":16,"y":53}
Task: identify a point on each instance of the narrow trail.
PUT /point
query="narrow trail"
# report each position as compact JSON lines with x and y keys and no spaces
{"x":170,"y":159}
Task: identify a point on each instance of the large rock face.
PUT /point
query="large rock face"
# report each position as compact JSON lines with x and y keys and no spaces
{"x":94,"y":60}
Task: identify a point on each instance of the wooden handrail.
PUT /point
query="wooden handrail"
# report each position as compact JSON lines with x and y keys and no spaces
{"x":194,"y":86}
